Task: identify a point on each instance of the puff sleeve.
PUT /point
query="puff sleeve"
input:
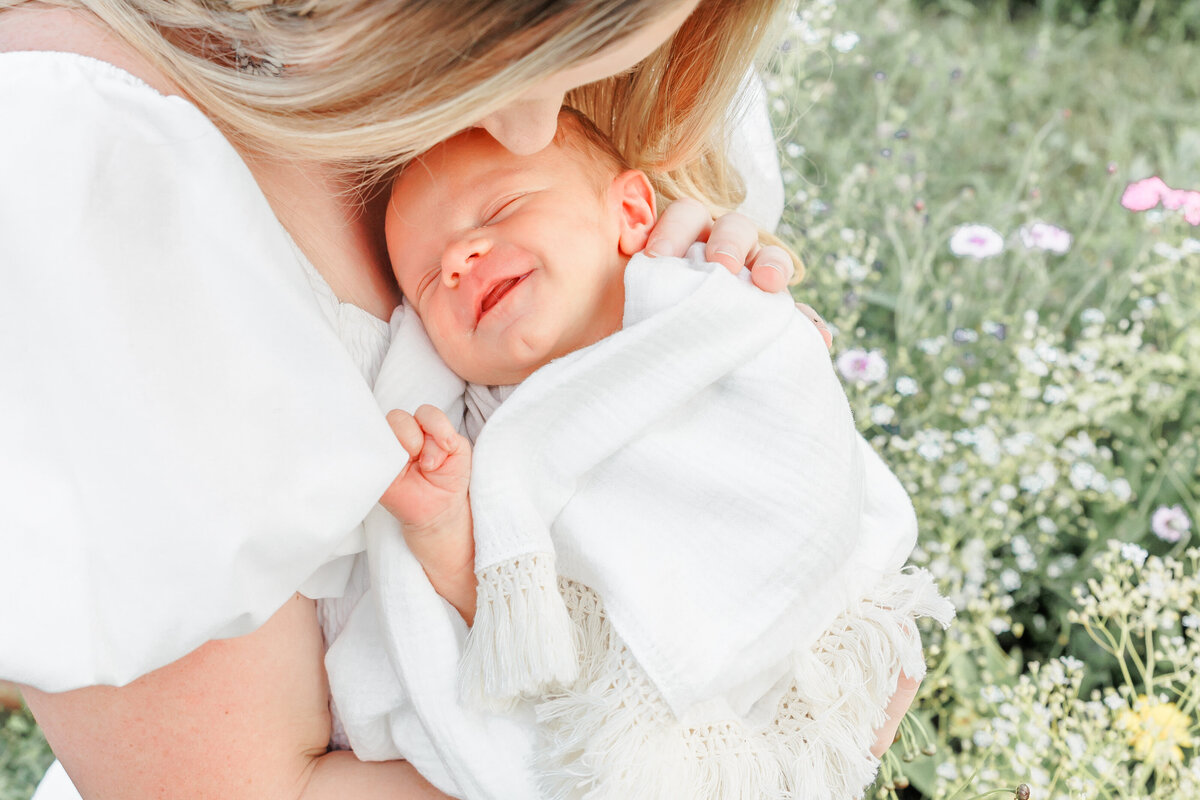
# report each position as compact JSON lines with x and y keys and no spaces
{"x":183,"y":438}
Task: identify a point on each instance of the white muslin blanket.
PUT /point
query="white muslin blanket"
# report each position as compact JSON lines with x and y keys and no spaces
{"x":690,"y":570}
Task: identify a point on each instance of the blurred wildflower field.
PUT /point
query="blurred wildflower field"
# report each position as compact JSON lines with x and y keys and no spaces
{"x":997,"y":220}
{"x":1017,"y":308}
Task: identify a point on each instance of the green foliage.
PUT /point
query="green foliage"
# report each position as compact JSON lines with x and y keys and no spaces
{"x":1177,"y":18}
{"x":1038,"y":405}
{"x":24,"y":755}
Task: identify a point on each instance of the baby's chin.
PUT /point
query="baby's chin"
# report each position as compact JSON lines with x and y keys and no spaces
{"x":495,"y":371}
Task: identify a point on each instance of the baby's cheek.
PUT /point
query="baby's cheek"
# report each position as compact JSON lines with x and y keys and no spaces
{"x":454,"y":348}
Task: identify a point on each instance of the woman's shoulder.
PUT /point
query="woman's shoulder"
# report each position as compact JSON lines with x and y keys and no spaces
{"x":71,"y":34}
{"x":65,"y":81}
{"x":52,"y":96}
{"x":183,"y":440}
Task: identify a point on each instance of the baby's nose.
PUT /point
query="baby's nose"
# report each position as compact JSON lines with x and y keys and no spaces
{"x":459,"y":257}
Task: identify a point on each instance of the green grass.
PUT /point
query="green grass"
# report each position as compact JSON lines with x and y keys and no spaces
{"x":24,"y":755}
{"x":1037,"y":405}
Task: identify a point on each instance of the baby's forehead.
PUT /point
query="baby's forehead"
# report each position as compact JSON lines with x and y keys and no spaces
{"x":473,"y":162}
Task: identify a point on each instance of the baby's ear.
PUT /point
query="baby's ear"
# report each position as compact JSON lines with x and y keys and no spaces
{"x":633,"y":196}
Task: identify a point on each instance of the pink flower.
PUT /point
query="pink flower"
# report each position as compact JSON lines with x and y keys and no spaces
{"x":1143,"y":195}
{"x":1170,"y":523}
{"x":1191,"y":208}
{"x":1173,"y":199}
{"x":861,"y":366}
{"x":976,"y":241}
{"x":1044,"y":236}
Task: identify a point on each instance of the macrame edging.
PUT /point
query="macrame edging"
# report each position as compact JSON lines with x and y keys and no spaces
{"x":611,"y":736}
{"x":522,"y":643}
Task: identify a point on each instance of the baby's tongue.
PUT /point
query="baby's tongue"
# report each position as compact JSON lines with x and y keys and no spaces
{"x":497,"y":293}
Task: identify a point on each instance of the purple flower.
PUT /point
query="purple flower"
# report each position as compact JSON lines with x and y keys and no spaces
{"x":1170,"y":523}
{"x":976,"y":241}
{"x":1044,"y":236}
{"x":861,"y":366}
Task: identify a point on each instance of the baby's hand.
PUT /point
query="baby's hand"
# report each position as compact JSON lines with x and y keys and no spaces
{"x":432,"y":487}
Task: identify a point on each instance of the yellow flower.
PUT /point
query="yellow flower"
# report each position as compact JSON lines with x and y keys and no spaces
{"x":1158,"y":732}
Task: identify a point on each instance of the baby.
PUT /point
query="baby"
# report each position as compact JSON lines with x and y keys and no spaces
{"x":510,"y":262}
{"x":681,"y":562}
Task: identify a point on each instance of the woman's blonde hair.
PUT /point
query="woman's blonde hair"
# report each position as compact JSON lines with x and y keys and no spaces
{"x":372,"y":83}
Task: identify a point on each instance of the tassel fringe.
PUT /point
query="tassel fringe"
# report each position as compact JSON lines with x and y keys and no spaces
{"x":523,"y":643}
{"x":611,"y":736}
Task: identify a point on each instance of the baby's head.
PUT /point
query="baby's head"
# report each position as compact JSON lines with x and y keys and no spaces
{"x":511,"y":261}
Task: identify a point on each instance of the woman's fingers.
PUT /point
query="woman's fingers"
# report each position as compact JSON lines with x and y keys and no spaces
{"x":772,"y":269}
{"x":822,"y":328}
{"x":733,"y":242}
{"x":906,"y":692}
{"x":683,"y":222}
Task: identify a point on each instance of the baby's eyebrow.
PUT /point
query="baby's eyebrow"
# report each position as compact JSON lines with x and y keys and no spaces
{"x":488,"y":181}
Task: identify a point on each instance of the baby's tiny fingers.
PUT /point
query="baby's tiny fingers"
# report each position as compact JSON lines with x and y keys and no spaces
{"x":815,"y":318}
{"x":438,"y":426}
{"x":433,"y":455}
{"x":407,"y":430}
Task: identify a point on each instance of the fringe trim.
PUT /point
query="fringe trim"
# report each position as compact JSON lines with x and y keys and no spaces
{"x":523,"y":643}
{"x":612,"y":736}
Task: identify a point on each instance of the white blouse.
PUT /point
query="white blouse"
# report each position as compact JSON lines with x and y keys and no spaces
{"x":187,"y":431}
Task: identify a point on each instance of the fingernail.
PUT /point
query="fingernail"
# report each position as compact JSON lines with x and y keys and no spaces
{"x":658,"y":247}
{"x":786,"y":272}
{"x":724,"y":251}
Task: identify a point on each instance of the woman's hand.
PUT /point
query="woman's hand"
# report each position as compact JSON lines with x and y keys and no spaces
{"x":906,"y":692}
{"x":732,"y":240}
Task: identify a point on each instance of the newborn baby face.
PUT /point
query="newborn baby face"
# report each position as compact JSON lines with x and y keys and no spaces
{"x":510,"y":261}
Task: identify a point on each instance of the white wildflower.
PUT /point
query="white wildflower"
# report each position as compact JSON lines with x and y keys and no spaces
{"x":1010,"y":579}
{"x":1170,"y":523}
{"x":845,"y":42}
{"x":882,"y":415}
{"x":931,"y":346}
{"x":862,"y":366}
{"x":1134,"y":554}
{"x":1047,"y":526}
{"x":1044,"y":236}
{"x":1054,"y":395}
{"x":976,"y":241}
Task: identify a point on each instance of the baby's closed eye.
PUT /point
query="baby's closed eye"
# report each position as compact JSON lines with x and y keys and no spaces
{"x":496,"y":211}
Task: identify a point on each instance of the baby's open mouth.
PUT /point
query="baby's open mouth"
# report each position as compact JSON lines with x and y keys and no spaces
{"x":497,"y":293}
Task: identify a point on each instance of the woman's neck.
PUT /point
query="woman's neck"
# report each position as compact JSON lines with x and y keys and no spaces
{"x":337,"y":225}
